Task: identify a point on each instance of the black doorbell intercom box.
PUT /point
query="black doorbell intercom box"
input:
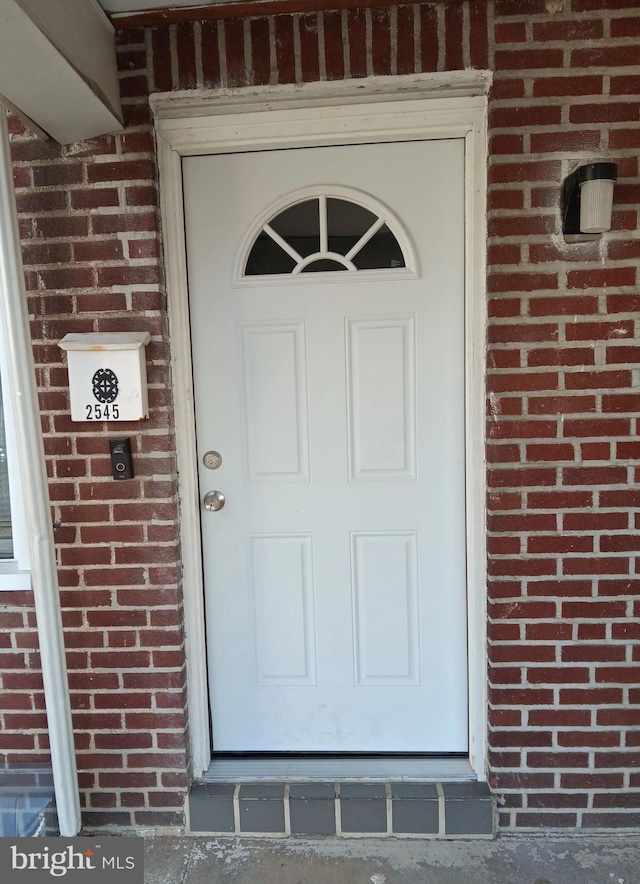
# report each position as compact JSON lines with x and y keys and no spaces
{"x":121,"y":461}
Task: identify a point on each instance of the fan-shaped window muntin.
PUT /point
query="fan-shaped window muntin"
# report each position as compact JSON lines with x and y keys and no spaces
{"x":321,"y":233}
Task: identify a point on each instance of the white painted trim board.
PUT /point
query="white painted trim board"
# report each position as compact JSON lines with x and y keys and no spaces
{"x":353,"y":111}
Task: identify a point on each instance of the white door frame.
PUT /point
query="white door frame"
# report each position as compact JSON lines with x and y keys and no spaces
{"x":404,"y":108}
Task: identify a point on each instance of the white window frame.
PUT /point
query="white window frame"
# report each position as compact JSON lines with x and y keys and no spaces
{"x":350,"y":194}
{"x":15,"y":573}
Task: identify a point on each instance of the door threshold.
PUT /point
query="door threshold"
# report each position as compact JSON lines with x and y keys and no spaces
{"x":372,"y":768}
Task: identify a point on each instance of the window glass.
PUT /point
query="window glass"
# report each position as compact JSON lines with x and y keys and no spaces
{"x":267,"y":257}
{"x":347,"y":223}
{"x":382,"y":250}
{"x":324,"y":229}
{"x":299,"y":226}
{"x":323,"y":264}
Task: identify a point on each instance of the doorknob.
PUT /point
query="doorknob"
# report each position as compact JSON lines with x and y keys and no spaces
{"x":214,"y":501}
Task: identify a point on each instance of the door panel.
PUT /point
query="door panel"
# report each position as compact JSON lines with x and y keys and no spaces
{"x":335,"y":574}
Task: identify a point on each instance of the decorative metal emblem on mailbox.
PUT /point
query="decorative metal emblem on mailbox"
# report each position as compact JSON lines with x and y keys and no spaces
{"x":107,"y":376}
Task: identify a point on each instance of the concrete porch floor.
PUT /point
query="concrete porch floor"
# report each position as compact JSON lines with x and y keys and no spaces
{"x":507,"y":860}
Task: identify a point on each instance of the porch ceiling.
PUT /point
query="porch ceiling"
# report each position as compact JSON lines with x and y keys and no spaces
{"x":115,"y":6}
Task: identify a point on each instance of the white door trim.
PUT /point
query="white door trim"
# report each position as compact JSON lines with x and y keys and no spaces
{"x":420,"y":106}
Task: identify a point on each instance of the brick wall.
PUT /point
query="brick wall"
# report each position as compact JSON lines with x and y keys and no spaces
{"x":563,"y":398}
{"x":564,"y":392}
{"x":90,"y":232}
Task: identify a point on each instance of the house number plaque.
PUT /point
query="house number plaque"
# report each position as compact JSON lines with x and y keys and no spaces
{"x":107,"y":376}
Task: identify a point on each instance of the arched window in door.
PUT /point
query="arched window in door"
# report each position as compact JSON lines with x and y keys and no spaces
{"x":328,"y":232}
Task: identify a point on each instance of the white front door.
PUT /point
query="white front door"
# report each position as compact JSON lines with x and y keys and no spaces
{"x":327,"y":319}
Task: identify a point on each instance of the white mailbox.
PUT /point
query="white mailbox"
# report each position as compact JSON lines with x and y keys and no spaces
{"x":107,"y":376}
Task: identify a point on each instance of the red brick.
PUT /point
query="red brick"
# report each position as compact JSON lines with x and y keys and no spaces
{"x":285,"y":53}
{"x":551,"y":452}
{"x":405,"y":39}
{"x":124,"y":170}
{"x":618,"y":675}
{"x":600,"y":565}
{"x":623,"y":303}
{"x":557,"y":799}
{"x":561,"y":404}
{"x":623,"y":354}
{"x":479,"y":32}
{"x":59,"y":227}
{"x":520,"y":478}
{"x":519,"y":117}
{"x":531,"y":333}
{"x":505,"y":307}
{"x":617,"y":759}
{"x":309,"y":60}
{"x":528,"y":59}
{"x":44,"y":201}
{"x":162,"y":75}
{"x":557,"y":544}
{"x":60,"y":173}
{"x":511,"y":32}
{"x":589,"y":380}
{"x":625,"y":27}
{"x":126,"y":276}
{"x":559,"y":499}
{"x":524,"y":610}
{"x":356,"y":24}
{"x":123,"y":223}
{"x":621,"y":402}
{"x":593,"y":653}
{"x":94,"y":198}
{"x":567,"y":85}
{"x":564,"y":356}
{"x":185,"y":50}
{"x":594,"y":521}
{"x":522,"y":382}
{"x":429,"y":37}
{"x":551,"y":142}
{"x":523,"y":654}
{"x":604,"y":56}
{"x":563,"y":306}
{"x":571,"y":30}
{"x":521,"y":282}
{"x":619,"y":498}
{"x":595,"y":451}
{"x":210,"y":54}
{"x":505,"y":405}
{"x":503,"y":454}
{"x":522,"y":429}
{"x":114,"y":577}
{"x":560,"y":718}
{"x":557,"y":759}
{"x":334,"y":58}
{"x":596,"y":427}
{"x":100,"y":250}
{"x":594,"y":475}
{"x":506,"y":144}
{"x":506,"y":199}
{"x":522,"y":696}
{"x":524,"y":738}
{"x":381,"y":41}
{"x":624,"y":85}
{"x":141,"y":196}
{"x":599,"y":331}
{"x":522,"y":225}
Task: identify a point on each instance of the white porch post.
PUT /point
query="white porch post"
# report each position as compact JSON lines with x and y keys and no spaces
{"x":17,"y":341}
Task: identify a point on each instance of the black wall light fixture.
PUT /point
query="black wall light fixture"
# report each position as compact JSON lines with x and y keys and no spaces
{"x":588,"y":199}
